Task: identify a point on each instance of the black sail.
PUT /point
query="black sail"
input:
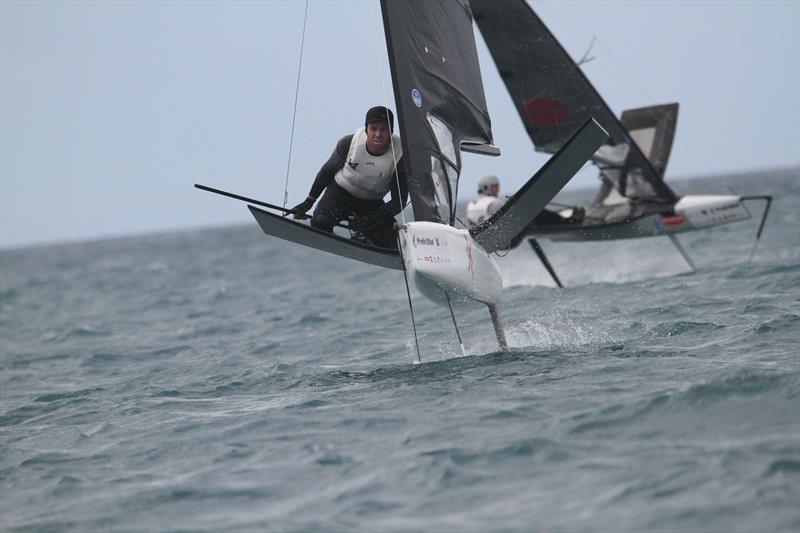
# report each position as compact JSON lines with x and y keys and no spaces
{"x":553,"y":97}
{"x":439,"y":98}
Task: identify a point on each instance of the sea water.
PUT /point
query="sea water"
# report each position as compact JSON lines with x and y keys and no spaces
{"x":225,"y":380}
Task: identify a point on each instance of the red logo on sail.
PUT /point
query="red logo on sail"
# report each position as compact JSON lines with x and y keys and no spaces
{"x":544,"y":111}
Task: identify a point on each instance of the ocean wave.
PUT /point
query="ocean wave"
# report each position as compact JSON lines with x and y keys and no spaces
{"x":81,"y":332}
{"x":740,"y":385}
{"x":790,"y":467}
{"x":744,"y":382}
{"x":785,"y":323}
{"x":683,"y":327}
{"x":67,"y":395}
{"x":523,"y":448}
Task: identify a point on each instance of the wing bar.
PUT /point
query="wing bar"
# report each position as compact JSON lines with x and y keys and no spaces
{"x":289,"y":230}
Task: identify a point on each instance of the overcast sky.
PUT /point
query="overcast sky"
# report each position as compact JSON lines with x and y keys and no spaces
{"x":111,"y":111}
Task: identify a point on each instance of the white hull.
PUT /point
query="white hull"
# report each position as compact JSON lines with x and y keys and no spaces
{"x":445,"y":261}
{"x":702,"y":211}
{"x":691,"y":213}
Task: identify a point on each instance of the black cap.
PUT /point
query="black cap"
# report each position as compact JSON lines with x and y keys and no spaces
{"x":380,"y":114}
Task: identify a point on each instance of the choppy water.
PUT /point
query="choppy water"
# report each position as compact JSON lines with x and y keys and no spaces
{"x":223,"y":380}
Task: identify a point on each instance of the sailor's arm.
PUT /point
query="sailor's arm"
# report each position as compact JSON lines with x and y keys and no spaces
{"x":331,"y":167}
{"x":324,"y":176}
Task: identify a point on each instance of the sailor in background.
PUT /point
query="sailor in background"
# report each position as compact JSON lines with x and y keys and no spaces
{"x":487,"y":203}
{"x":361,"y":171}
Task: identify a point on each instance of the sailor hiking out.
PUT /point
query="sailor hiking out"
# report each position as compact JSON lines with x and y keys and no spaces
{"x":361,"y":171}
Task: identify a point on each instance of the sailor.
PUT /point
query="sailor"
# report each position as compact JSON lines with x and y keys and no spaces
{"x":361,"y":171}
{"x":487,"y":203}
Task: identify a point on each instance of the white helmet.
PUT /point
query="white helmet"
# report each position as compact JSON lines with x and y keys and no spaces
{"x":486,"y":182}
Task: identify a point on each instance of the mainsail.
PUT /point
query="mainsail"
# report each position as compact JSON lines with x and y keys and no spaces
{"x":553,"y":97}
{"x":439,"y":98}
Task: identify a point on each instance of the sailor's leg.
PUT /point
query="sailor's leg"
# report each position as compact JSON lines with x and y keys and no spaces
{"x":333,"y":207}
{"x":543,"y":258}
{"x":376,"y":223}
{"x":383,"y":233}
{"x":498,"y":327}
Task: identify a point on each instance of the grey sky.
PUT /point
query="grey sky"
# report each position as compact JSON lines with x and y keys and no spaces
{"x":111,"y":111}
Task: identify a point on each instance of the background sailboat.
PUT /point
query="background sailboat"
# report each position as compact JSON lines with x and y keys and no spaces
{"x":552,"y":97}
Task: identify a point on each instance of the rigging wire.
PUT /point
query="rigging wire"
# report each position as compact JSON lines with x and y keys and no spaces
{"x":294,"y":112}
{"x":386,"y":100}
{"x":397,"y":179}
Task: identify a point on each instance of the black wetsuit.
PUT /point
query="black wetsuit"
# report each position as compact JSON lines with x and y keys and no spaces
{"x":375,"y":218}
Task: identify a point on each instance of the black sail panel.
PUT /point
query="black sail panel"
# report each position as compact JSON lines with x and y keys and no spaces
{"x":653,"y":130}
{"x":439,"y":98}
{"x":552,"y":95}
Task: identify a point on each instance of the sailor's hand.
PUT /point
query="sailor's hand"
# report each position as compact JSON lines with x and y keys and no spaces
{"x":300,"y":210}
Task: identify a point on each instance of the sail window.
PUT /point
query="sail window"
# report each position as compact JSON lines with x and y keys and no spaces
{"x":441,"y":188}
{"x":452,"y":177}
{"x":644,"y":140}
{"x":444,"y":137}
{"x":444,"y":177}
